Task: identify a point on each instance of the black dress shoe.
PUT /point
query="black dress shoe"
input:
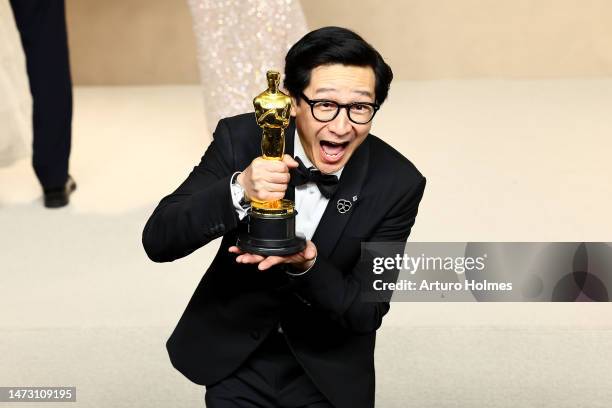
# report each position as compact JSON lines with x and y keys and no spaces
{"x":58,"y":197}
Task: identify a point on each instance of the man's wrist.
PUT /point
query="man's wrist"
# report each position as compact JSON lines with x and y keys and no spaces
{"x":239,"y":180}
{"x":305,"y":267}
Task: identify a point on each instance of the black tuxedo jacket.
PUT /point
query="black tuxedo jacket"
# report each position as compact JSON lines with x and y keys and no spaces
{"x":330,"y":330}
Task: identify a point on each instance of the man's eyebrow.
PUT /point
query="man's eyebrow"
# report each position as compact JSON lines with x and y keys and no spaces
{"x":319,"y":90}
{"x":364,"y":93}
{"x":360,"y":92}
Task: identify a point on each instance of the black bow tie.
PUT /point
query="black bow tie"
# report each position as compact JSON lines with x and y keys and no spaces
{"x":327,"y":183}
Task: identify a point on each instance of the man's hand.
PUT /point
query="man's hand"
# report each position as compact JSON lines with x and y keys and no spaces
{"x":266,"y":180}
{"x":300,"y":261}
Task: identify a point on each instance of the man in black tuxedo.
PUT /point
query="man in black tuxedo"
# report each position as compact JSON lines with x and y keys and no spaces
{"x":292,"y":331}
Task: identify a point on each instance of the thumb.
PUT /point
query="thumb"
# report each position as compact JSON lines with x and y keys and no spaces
{"x":290,"y":161}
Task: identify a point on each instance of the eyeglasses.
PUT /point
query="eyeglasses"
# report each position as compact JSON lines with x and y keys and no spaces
{"x":325,"y":110}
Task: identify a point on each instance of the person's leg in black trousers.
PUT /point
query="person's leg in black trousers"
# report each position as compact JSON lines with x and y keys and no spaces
{"x":42,"y":27}
{"x":270,"y":378}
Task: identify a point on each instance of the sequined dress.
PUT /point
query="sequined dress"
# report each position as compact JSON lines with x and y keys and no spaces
{"x":237,"y":42}
{"x":15,"y":100}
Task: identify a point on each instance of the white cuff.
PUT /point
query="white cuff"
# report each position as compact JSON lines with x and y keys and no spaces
{"x":237,"y":196}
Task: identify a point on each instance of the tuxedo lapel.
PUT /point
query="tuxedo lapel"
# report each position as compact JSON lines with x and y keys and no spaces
{"x":340,"y":206}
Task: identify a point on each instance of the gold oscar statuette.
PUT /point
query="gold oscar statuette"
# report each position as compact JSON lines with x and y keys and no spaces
{"x":271,"y":224}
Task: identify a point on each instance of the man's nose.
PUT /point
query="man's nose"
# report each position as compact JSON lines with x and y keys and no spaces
{"x":341,"y":124}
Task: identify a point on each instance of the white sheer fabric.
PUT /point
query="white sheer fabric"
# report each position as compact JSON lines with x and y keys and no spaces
{"x":15,"y":100}
{"x":238,"y":41}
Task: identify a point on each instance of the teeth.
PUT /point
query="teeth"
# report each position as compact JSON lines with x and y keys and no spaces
{"x":332,"y":146}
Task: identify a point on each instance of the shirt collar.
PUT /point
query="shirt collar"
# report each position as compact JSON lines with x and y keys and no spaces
{"x":298,"y":151}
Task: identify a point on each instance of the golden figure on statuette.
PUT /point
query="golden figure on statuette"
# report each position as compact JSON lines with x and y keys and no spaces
{"x":272,"y":112}
{"x":271,"y":224}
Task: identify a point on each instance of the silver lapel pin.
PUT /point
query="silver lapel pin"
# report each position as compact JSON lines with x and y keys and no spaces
{"x":343,"y":205}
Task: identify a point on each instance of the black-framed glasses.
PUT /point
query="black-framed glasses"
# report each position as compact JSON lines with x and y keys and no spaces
{"x":325,"y":110}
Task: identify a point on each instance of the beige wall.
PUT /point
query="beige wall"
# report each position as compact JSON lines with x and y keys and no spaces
{"x":119,"y":42}
{"x":424,"y":39}
{"x":150,"y":41}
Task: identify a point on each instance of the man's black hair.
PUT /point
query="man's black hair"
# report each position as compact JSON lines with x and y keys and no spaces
{"x":333,"y":45}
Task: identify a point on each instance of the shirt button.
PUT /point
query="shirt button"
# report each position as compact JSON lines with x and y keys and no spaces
{"x":255,"y":335}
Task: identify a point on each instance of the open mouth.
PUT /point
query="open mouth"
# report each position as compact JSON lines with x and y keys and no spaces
{"x":332,"y":152}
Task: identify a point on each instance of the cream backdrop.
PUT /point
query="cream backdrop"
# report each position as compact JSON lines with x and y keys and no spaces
{"x":123,"y":42}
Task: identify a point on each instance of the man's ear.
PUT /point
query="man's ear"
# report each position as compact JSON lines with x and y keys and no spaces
{"x":293,"y":107}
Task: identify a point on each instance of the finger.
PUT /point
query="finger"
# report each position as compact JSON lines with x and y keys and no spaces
{"x":249,"y":258}
{"x":290,"y":161}
{"x":278,"y":178}
{"x":275,"y":187}
{"x":270,"y":262}
{"x":276,"y":166}
{"x":262,"y":166}
{"x":270,"y":197}
{"x":235,"y":250}
{"x":266,"y":191}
